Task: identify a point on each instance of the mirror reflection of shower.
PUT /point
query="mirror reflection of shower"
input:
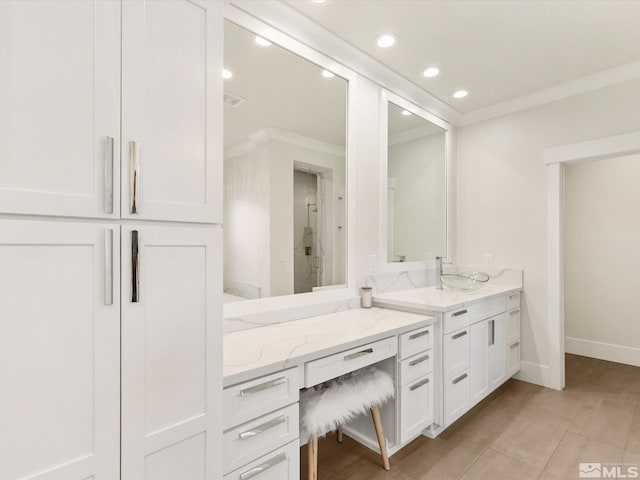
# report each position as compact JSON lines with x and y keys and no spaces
{"x":307,"y":214}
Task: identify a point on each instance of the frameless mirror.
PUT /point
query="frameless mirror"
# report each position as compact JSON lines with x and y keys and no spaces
{"x":284,"y":171}
{"x":416,"y":188}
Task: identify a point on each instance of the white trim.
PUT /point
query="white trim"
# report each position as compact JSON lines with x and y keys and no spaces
{"x":603,"y":351}
{"x":285,"y":18}
{"x":557,"y":92}
{"x":556,"y":158}
{"x":414,"y":133}
{"x":384,"y":265}
{"x":240,"y":149}
{"x":535,"y":373}
{"x":295,"y":139}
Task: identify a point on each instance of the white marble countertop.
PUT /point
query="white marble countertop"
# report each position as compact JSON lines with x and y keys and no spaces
{"x":259,"y":351}
{"x":430,"y":299}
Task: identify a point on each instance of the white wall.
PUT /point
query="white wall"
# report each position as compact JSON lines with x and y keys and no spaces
{"x":602,"y":259}
{"x":418,"y":169}
{"x":502,"y":192}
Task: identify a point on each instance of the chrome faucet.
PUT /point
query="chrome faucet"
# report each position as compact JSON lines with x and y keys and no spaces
{"x":439,"y":273}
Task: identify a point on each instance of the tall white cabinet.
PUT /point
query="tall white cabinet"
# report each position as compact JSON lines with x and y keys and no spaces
{"x":110,"y":301}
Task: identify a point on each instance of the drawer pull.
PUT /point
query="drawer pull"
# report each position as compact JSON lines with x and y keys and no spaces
{"x":514,"y":312}
{"x":263,"y":467}
{"x":418,"y":335}
{"x":513,"y":295}
{"x":353,"y":356}
{"x":459,"y":312}
{"x":262,"y":387}
{"x":419,"y":384}
{"x":460,"y":378}
{"x":514,"y":345}
{"x":458,"y":335}
{"x":263,"y":428}
{"x":418,"y":361}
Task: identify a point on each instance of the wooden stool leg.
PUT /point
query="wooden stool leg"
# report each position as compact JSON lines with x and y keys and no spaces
{"x":375,"y":414}
{"x":340,"y":434}
{"x":313,"y":457}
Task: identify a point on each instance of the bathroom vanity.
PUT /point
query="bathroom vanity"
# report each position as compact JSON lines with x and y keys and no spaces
{"x":447,"y":351}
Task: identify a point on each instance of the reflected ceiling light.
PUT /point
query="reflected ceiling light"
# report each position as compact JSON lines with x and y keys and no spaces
{"x":460,"y":94}
{"x":262,"y":42}
{"x":385,"y":40}
{"x":431,"y":72}
{"x":406,"y":113}
{"x":226,"y":74}
{"x":327,"y":74}
{"x":318,"y":1}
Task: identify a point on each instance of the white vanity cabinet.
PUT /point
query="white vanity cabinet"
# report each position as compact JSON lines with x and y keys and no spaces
{"x":512,"y":351}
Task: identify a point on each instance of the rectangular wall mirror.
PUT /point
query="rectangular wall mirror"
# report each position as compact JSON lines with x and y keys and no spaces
{"x":285,"y":121}
{"x":416,"y":187}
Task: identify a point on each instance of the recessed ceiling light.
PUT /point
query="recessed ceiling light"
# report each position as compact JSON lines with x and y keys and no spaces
{"x":460,"y":94}
{"x":385,"y":40}
{"x":318,"y":1}
{"x":226,"y":74}
{"x":327,"y":74}
{"x":431,"y":72}
{"x":262,"y":42}
{"x":406,"y":113}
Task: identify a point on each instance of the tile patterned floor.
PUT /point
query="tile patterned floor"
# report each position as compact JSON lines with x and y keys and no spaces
{"x":520,"y":432}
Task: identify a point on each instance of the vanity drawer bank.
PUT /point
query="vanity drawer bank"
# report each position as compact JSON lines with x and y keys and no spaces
{"x":264,"y":368}
{"x":480,"y":343}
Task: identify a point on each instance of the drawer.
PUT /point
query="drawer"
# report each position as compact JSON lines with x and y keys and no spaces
{"x":513,"y":325}
{"x":456,"y":397}
{"x":253,"y":439}
{"x":415,"y":367}
{"x":415,"y":341}
{"x":333,"y":366}
{"x":456,"y":352}
{"x":416,"y":408}
{"x":489,"y":308}
{"x":513,"y":358}
{"x":281,"y":464}
{"x":254,"y":398}
{"x":513,"y":300}
{"x":457,"y":319}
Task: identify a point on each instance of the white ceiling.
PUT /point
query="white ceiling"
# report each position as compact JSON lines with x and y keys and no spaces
{"x":498,"y":50}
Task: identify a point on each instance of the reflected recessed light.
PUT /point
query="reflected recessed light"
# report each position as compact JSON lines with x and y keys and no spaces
{"x":386,"y":40}
{"x":262,"y":42}
{"x":431,"y":72}
{"x":226,"y":74}
{"x":327,"y":74}
{"x":406,"y":113}
{"x":460,"y":94}
{"x":318,"y":1}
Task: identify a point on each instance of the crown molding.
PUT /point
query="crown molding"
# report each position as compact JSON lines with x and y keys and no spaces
{"x":588,"y":83}
{"x":414,"y":133}
{"x":265,"y":134}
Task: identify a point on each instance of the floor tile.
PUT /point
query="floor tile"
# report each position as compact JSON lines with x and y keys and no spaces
{"x":575,"y":449}
{"x":494,"y":465}
{"x":633,"y":440}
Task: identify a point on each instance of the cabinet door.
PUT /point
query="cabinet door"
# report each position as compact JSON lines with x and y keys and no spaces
{"x":172,"y":110}
{"x":513,"y":358}
{"x":60,"y":107}
{"x":59,"y":351}
{"x":456,"y":397}
{"x":416,"y":408}
{"x":171,"y":353}
{"x":479,"y":361}
{"x":497,"y":360}
{"x":456,"y":352}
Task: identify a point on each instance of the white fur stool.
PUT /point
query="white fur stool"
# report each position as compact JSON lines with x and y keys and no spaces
{"x":326,"y":407}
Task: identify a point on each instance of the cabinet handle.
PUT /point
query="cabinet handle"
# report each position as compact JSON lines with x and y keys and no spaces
{"x":263,"y":386}
{"x":135,"y":268}
{"x":108,"y":175}
{"x":460,"y":378}
{"x":459,"y":312}
{"x":514,"y":312}
{"x":418,"y":361}
{"x":514,"y":345}
{"x":263,"y":428}
{"x":362,"y":353}
{"x":492,"y":336}
{"x":418,"y":335}
{"x":108,"y":266}
{"x":419,"y":384}
{"x":134,"y":159}
{"x":263,"y":467}
{"x":458,"y":335}
{"x":514,"y":295}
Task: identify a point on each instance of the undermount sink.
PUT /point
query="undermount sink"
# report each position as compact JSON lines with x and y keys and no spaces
{"x":465,"y":281}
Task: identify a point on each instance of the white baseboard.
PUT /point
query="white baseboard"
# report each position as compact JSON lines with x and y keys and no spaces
{"x":603,"y":351}
{"x":536,"y":373}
